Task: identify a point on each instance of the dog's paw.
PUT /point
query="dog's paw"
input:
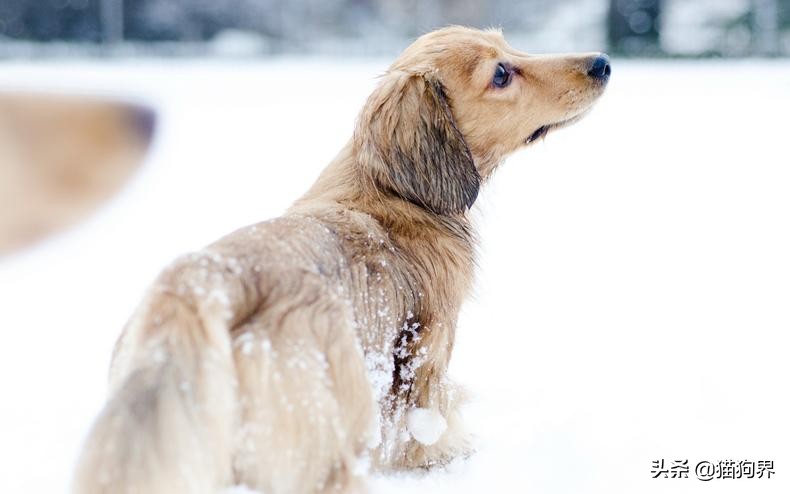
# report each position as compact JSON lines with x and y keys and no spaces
{"x":436,"y":441}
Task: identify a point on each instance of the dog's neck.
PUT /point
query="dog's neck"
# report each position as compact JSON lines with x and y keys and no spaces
{"x":439,"y":249}
{"x":421,"y":234}
{"x":341,"y":184}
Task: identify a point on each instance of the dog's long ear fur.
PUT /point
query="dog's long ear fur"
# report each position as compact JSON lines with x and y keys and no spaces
{"x":408,"y":144}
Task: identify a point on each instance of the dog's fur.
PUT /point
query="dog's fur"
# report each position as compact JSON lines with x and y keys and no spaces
{"x":283,"y":353}
{"x":60,"y":157}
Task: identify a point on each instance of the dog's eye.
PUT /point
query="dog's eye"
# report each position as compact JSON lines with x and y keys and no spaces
{"x":501,"y":76}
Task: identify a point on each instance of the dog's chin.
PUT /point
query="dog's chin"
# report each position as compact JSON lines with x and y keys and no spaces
{"x":544,"y":130}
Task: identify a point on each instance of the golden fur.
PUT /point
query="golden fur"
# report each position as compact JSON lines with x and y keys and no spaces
{"x":60,"y":157}
{"x":286,"y":352}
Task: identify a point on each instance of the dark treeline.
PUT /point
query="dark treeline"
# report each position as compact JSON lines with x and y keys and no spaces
{"x":196,"y":20}
{"x":631,"y":26}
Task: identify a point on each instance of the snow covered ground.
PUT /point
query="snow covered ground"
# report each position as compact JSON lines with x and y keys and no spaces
{"x":633,"y":301}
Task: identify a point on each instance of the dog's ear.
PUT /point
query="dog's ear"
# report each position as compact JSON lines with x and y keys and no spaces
{"x":409,"y":145}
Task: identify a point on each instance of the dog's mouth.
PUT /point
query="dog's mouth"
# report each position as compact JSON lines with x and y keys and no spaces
{"x":543,"y":130}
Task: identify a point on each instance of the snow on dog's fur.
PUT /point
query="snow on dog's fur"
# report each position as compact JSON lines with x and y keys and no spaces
{"x":283,"y":354}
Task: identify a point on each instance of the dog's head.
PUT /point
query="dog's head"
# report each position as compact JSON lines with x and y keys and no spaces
{"x":456,"y":103}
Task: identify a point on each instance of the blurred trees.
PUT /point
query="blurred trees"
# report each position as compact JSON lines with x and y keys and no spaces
{"x":48,"y":20}
{"x":765,"y":26}
{"x":712,"y":27}
{"x":291,"y":20}
{"x":634,"y":26}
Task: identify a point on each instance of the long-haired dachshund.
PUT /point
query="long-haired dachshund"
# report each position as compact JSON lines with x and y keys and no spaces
{"x":291,"y":352}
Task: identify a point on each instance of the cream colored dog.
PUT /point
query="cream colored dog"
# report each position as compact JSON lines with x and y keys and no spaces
{"x":60,"y":157}
{"x":282,"y":354}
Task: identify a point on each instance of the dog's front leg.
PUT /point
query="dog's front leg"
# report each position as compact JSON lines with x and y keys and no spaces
{"x":432,"y":417}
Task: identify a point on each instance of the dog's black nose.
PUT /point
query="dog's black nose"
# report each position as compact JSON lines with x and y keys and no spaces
{"x":600,"y":68}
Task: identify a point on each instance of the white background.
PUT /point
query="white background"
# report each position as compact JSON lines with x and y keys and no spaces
{"x":633,"y":300}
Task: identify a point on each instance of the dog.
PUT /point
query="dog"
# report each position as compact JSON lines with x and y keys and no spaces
{"x":60,"y":157}
{"x":291,"y":353}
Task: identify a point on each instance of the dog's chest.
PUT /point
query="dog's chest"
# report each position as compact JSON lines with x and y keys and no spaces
{"x":395,"y":296}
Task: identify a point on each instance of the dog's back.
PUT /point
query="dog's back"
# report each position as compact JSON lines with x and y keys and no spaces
{"x":208,"y":385}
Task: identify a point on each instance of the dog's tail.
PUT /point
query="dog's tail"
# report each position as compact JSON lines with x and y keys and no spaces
{"x":167,"y":426}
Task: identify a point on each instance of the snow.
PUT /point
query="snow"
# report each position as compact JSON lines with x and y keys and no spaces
{"x":240,"y":489}
{"x":425,"y":425}
{"x":632,"y":301}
